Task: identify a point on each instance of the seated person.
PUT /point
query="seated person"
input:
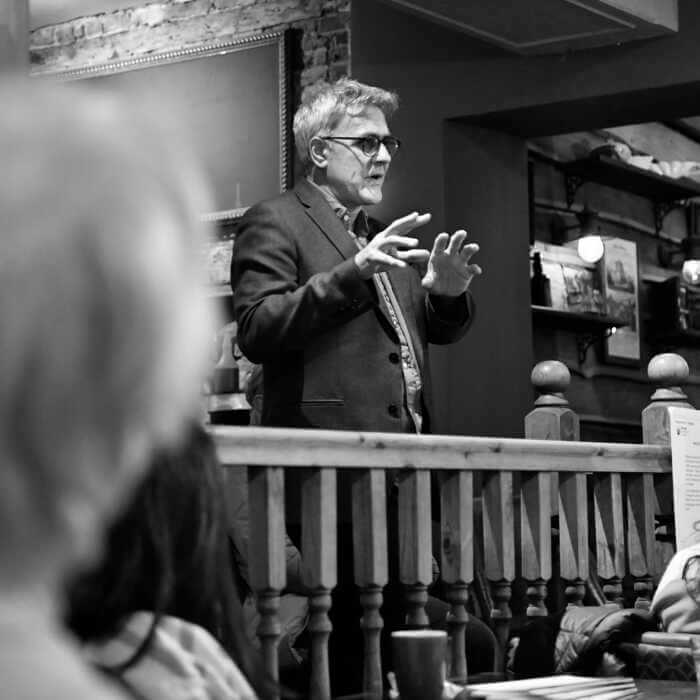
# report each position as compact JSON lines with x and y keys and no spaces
{"x":99,"y":283}
{"x":160,"y":612}
{"x":676,"y":602}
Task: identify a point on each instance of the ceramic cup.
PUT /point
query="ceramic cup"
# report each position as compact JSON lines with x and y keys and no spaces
{"x":419,"y":663}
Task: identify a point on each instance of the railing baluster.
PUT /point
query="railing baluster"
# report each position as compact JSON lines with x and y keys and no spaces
{"x":319,"y":545}
{"x":536,"y":538}
{"x":499,"y":548}
{"x":573,"y":534}
{"x":415,"y":546}
{"x":640,"y":536}
{"x":609,"y":535}
{"x":457,"y":560}
{"x":268,"y":574}
{"x":371,"y":569}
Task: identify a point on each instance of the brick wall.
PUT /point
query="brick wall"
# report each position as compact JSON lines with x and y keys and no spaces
{"x":324,"y":51}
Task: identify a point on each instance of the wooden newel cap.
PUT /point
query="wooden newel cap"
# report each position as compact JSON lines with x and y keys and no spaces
{"x":550,"y":377}
{"x":668,"y":369}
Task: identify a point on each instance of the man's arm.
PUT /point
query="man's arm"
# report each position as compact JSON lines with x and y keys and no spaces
{"x":274,"y":312}
{"x":448,"y":318}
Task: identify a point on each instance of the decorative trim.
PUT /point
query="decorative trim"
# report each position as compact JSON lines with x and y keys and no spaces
{"x":225,"y":215}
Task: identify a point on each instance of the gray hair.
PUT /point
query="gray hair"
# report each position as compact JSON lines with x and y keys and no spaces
{"x":323,"y":105}
{"x":104,"y":328}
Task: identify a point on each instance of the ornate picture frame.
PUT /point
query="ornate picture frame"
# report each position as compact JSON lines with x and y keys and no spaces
{"x":244,"y":142}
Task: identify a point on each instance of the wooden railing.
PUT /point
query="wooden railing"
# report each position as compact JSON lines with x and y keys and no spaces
{"x":506,"y":489}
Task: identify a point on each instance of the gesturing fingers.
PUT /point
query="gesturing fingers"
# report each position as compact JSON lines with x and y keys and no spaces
{"x":456,"y":240}
{"x":440,"y":243}
{"x":469,"y":250}
{"x":406,"y":223}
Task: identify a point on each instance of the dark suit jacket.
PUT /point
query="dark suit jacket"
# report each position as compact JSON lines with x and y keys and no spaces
{"x":329,"y":351}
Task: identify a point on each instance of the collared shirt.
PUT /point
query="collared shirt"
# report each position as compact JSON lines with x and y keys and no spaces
{"x":356,"y":225}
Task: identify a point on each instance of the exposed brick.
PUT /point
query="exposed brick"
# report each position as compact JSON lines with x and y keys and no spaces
{"x":117,"y":22}
{"x":313,"y":74}
{"x":320,"y":57}
{"x":330,"y":24}
{"x":337,"y":70}
{"x":63,"y":34}
{"x":340,"y":53}
{"x":44,"y":36}
{"x":173,"y":24}
{"x":149,"y":15}
{"x":184,"y":9}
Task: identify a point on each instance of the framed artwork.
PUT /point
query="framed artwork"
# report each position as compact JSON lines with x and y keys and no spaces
{"x":233,"y":101}
{"x":621,"y":285}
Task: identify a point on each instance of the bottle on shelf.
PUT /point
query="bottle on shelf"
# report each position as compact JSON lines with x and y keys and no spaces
{"x":540,"y":291}
{"x":226,"y":372}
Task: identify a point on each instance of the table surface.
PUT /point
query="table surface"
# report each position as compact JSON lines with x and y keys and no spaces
{"x":667,"y":689}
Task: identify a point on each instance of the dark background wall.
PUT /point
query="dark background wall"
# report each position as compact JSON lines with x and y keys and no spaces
{"x":476,"y":178}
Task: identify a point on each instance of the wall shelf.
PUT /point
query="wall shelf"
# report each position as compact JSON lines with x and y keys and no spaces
{"x":665,"y":192}
{"x":588,"y":327}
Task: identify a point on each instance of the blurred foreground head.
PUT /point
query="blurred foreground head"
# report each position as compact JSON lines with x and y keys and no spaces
{"x":104,"y":327}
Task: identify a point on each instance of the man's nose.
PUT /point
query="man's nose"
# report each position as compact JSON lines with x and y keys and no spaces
{"x":382,"y":155}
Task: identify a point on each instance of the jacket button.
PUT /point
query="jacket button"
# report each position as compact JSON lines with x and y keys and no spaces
{"x":394,"y":358}
{"x":393,"y":410}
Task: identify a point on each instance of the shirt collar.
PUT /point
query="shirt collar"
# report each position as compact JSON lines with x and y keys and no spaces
{"x":338,"y":208}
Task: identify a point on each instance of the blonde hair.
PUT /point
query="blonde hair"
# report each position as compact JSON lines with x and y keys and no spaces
{"x":323,"y":105}
{"x":103,"y":322}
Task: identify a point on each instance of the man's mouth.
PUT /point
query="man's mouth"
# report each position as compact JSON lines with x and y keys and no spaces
{"x":376,"y":176}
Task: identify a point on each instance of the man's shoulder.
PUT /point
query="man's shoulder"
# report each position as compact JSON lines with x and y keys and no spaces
{"x":280,"y":202}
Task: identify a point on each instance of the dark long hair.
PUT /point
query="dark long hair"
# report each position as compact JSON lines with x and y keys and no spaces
{"x":168,"y":552}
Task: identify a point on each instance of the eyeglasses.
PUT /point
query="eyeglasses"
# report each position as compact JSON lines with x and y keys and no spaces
{"x":369,"y":144}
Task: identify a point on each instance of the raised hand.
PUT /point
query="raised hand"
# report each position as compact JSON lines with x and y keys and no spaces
{"x":392,"y":248}
{"x":449,"y":271}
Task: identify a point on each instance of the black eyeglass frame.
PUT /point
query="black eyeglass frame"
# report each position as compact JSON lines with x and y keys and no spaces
{"x":370,"y":143}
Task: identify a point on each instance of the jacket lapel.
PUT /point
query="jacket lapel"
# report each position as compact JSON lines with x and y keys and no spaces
{"x":320,"y":212}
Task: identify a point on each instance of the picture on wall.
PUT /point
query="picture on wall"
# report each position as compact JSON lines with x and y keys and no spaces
{"x":621,"y":285}
{"x":232,"y":104}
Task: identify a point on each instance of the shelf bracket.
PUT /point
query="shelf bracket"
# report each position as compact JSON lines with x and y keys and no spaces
{"x":662,"y":210}
{"x":585,"y":340}
{"x":573,"y":183}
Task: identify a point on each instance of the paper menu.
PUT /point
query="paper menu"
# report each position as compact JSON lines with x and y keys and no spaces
{"x":684,"y":426}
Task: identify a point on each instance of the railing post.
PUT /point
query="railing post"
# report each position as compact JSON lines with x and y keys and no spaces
{"x":457,"y":560}
{"x":551,"y":419}
{"x":499,"y":548}
{"x":415,"y":546}
{"x":371,"y":568}
{"x":609,"y":535}
{"x":645,"y":498}
{"x":319,"y":545}
{"x":268,"y":574}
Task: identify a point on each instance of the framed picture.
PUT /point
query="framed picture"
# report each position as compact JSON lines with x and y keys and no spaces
{"x":621,"y":285}
{"x":233,"y":102}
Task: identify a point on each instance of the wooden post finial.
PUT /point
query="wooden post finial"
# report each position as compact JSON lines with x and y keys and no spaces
{"x":550,"y":378}
{"x":668,"y":371}
{"x":552,"y":417}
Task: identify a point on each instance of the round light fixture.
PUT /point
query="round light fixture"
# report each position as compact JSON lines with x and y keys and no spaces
{"x":691,"y":271}
{"x":590,"y":248}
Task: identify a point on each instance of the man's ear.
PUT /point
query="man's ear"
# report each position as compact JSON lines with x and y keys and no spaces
{"x":318,"y":152}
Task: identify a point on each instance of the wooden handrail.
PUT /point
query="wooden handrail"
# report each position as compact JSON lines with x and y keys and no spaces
{"x":288,"y":447}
